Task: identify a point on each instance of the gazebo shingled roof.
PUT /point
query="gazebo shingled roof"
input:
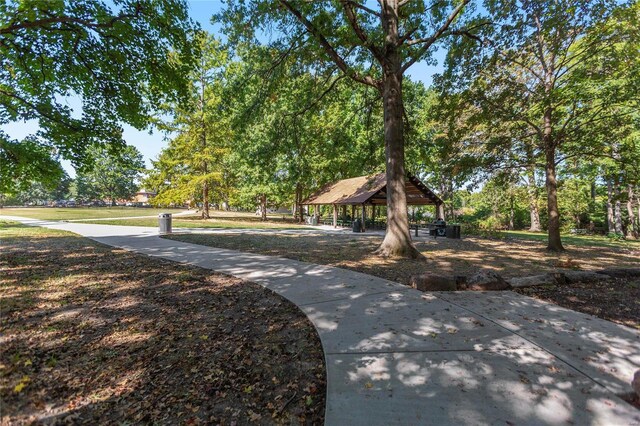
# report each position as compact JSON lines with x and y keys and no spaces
{"x":371,"y":190}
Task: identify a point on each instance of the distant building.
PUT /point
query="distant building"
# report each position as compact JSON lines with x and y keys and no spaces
{"x":143,"y":196}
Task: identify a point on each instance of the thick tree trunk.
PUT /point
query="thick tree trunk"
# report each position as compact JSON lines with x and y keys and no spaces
{"x":263,"y":207}
{"x":397,"y":240}
{"x":532,"y":190}
{"x":555,"y":242}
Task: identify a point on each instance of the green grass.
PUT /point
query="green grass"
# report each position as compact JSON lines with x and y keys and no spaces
{"x":52,"y":213}
{"x":10,"y":229}
{"x":576,"y":240}
{"x":194,"y":222}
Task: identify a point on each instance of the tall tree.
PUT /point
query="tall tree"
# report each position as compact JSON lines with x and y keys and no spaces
{"x":114,"y":174}
{"x":106,"y":59}
{"x":373,"y":46}
{"x":194,"y":160}
{"x":528,"y":73}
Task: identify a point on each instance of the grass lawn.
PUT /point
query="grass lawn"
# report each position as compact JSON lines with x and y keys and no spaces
{"x":53,"y":213}
{"x":220,"y":219}
{"x":92,"y":334}
{"x":574,"y":240}
{"x":196,"y":222}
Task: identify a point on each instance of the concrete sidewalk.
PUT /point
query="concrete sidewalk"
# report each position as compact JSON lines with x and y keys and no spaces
{"x":398,"y":356}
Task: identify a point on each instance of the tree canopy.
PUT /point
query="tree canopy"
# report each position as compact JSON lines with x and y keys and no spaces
{"x":79,"y":69}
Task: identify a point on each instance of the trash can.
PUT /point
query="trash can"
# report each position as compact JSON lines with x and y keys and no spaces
{"x":357,"y":225}
{"x":314,"y":221}
{"x":453,"y":231}
{"x":449,"y":231}
{"x":164,"y":223}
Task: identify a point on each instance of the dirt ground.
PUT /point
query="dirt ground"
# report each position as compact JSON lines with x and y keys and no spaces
{"x":465,"y":256}
{"x":95,"y":335}
{"x":616,"y":301}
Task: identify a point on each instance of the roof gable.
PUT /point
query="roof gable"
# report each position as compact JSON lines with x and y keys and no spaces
{"x":370,"y":190}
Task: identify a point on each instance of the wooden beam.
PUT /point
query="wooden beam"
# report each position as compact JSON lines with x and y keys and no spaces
{"x":335,"y":216}
{"x":364,"y":217}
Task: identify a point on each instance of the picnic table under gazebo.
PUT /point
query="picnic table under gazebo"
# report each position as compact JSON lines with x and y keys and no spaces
{"x":367,"y":193}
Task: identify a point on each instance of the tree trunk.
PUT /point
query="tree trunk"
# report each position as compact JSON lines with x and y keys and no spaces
{"x":617,"y":212}
{"x":205,"y":200}
{"x":555,"y":242}
{"x":638,"y":218}
{"x":298,"y":205}
{"x":638,"y":205}
{"x":203,"y":138}
{"x":631,"y":226}
{"x":610,"y":224}
{"x":397,"y":241}
{"x":532,"y":190}
{"x":263,"y":207}
{"x":512,"y":214}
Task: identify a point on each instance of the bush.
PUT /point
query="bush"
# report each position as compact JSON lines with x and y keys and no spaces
{"x":481,"y":230}
{"x":615,"y":236}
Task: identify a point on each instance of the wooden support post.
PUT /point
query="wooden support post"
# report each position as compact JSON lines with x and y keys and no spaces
{"x":335,"y":216}
{"x":364,"y":217}
{"x":440,"y":211}
{"x":373,"y":216}
{"x":353,"y":212}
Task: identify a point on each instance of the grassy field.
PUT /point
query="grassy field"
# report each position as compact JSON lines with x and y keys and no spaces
{"x":220,"y":219}
{"x":96,"y":335}
{"x":574,"y":240}
{"x":196,"y":222}
{"x":53,"y":213}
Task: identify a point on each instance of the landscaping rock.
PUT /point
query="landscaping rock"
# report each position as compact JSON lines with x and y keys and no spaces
{"x":461,"y":281}
{"x":635,"y":384}
{"x":432,"y":282}
{"x":621,"y":272}
{"x":584,"y":277}
{"x":554,"y":278}
{"x":487,"y":280}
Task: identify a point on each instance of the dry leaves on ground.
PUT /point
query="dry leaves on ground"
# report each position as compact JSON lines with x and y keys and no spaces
{"x":616,"y":301}
{"x":92,"y":335}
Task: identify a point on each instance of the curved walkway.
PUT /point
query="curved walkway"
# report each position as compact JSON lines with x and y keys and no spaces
{"x":398,"y":356}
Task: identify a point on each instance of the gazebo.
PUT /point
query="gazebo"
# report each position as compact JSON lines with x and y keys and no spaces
{"x":364,"y":191}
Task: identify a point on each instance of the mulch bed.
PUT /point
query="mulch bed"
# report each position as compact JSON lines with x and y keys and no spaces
{"x":616,"y":300}
{"x":96,"y":335}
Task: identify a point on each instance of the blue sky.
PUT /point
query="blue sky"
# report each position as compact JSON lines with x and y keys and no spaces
{"x":150,"y":145}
